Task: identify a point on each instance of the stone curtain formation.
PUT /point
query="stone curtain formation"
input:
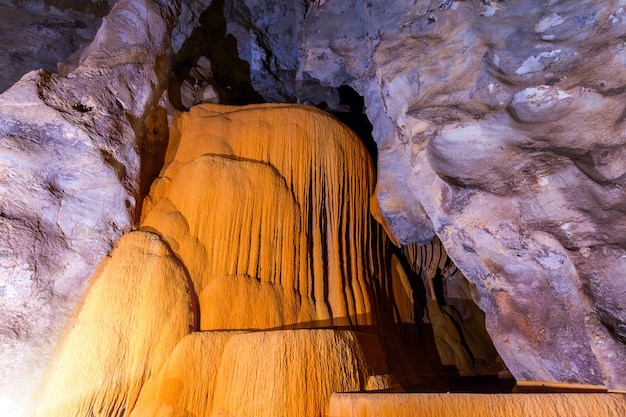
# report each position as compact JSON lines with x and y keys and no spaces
{"x":258,"y":221}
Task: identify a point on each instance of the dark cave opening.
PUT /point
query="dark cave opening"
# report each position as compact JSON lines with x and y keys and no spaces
{"x":355,"y":118}
{"x":229,"y":74}
{"x":434,"y":376}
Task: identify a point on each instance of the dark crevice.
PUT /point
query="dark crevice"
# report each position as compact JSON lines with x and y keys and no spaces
{"x":355,"y":118}
{"x":442,"y":377}
{"x":210,"y":39}
{"x":449,"y":310}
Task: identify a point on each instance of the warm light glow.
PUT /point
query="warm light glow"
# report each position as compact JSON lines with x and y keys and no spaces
{"x":11,"y":407}
{"x":261,"y":216}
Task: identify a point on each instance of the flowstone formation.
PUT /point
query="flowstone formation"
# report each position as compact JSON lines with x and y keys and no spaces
{"x":499,"y":127}
{"x":252,"y":286}
{"x":499,"y":132}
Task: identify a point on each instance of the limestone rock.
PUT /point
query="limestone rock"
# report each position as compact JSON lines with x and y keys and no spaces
{"x":504,"y":159}
{"x":70,"y":177}
{"x":185,"y":385}
{"x":272,"y":51}
{"x":136,"y":309}
{"x":274,"y":373}
{"x":499,"y":129}
{"x":32,"y":38}
{"x":199,"y":87}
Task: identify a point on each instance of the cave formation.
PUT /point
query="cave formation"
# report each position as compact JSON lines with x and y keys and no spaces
{"x":190,"y":226}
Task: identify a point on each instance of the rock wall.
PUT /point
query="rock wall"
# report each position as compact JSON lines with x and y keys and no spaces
{"x":499,"y":128}
{"x":70,"y":179}
{"x":34,"y":38}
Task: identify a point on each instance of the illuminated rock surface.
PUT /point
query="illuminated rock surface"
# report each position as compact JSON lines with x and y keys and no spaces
{"x":261,"y":216}
{"x":477,"y":405}
{"x":138,"y":306}
{"x":279,"y":211}
{"x":268,"y":373}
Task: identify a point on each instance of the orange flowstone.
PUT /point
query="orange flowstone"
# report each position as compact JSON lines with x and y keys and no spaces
{"x":271,"y":201}
{"x":259,"y":221}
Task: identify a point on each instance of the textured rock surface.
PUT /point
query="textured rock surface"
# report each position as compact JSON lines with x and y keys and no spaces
{"x":138,"y":306}
{"x":476,"y":405}
{"x":272,"y":50}
{"x":258,"y":221}
{"x":275,"y":373}
{"x":499,"y":127}
{"x":32,"y":38}
{"x":70,"y":176}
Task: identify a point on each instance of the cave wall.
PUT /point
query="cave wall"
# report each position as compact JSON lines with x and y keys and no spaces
{"x":499,"y":128}
{"x":70,"y":180}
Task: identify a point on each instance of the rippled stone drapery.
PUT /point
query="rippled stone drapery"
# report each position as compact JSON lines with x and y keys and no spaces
{"x":258,"y":221}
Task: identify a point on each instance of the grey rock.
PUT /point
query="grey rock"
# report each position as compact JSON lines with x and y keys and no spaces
{"x":34,"y":38}
{"x":499,"y":129}
{"x":71,"y":179}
